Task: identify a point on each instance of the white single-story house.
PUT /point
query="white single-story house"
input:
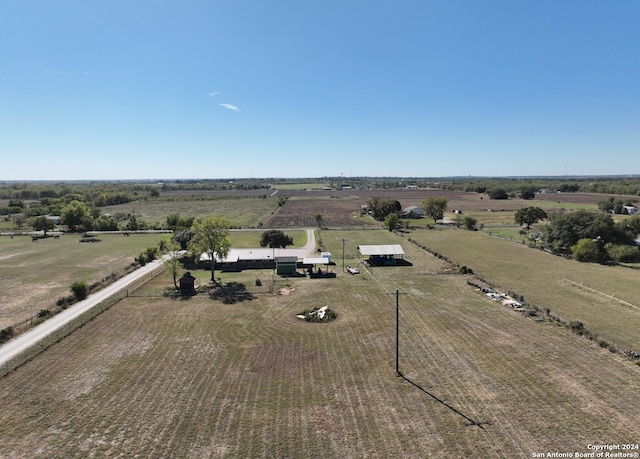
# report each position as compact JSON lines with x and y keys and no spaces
{"x":284,"y":261}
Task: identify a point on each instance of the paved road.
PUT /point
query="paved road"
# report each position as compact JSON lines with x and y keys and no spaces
{"x":31,"y":338}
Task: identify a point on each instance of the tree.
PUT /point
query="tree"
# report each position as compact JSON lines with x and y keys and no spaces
{"x":183,"y":238}
{"x":435,"y":208}
{"x":529,"y":215}
{"x":564,"y":231}
{"x":528,"y":193}
{"x":590,"y":251}
{"x":391,"y":221}
{"x":172,"y":263}
{"x":80,"y":290}
{"x":275,"y":238}
{"x":470,"y":223}
{"x":43,"y":224}
{"x":211,"y":236}
{"x":380,"y":208}
{"x":75,"y":214}
{"x":498,"y":193}
{"x":106,"y":223}
{"x":319,"y":219}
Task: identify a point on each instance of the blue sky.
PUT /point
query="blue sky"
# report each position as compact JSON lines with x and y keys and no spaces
{"x":155,"y":89}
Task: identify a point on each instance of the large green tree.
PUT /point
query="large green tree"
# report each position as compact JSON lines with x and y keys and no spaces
{"x":590,"y":251}
{"x":391,"y":221}
{"x":435,"y":208}
{"x":275,"y":238}
{"x":565,"y":230}
{"x":42,"y":223}
{"x":76,"y":215}
{"x":211,"y":235}
{"x":529,"y":215}
{"x":380,"y":208}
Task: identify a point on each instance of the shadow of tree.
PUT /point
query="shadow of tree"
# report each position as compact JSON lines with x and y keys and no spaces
{"x":231,"y":292}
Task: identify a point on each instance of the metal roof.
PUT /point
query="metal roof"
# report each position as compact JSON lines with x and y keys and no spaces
{"x":315,"y":261}
{"x":372,"y":250}
{"x":236,"y":255}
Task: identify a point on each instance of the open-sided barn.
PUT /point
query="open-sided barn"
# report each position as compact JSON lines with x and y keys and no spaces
{"x":382,"y":254}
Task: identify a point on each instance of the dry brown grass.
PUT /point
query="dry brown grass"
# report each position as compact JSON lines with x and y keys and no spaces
{"x":199,"y":378}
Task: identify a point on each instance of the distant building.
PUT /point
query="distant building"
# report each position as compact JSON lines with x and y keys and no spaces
{"x":380,"y":255}
{"x":412,"y":212}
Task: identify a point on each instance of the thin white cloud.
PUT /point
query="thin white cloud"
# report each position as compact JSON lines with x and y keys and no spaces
{"x":214,"y":93}
{"x":230,"y":107}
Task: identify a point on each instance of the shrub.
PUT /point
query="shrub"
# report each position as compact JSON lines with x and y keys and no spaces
{"x":6,"y":334}
{"x":624,"y":253}
{"x":80,"y":290}
{"x":151,"y":253}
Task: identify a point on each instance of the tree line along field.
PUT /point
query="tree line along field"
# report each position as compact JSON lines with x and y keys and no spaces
{"x":155,"y":377}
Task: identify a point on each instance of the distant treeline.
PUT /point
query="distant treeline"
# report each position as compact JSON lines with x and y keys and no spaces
{"x":107,"y":193}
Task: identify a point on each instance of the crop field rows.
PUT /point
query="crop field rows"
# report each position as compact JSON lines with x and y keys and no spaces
{"x":200,"y":378}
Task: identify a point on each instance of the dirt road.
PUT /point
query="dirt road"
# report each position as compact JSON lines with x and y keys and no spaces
{"x":33,"y":337}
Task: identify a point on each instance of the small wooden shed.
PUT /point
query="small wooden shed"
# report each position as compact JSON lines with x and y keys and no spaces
{"x":187,"y":284}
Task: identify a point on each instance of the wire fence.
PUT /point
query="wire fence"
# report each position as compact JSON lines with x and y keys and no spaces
{"x":76,"y":322}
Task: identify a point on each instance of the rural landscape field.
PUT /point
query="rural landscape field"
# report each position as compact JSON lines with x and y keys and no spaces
{"x":237,"y":374}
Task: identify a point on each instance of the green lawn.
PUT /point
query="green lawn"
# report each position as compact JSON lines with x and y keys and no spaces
{"x":251,"y":238}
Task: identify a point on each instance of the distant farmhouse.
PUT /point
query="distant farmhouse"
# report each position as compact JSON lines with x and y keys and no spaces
{"x":412,"y":212}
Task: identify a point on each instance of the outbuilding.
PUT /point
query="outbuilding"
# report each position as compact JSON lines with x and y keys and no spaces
{"x":380,"y":255}
{"x":187,"y":284}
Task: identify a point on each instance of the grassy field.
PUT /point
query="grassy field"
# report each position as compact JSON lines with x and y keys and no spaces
{"x":538,"y":276}
{"x":33,"y":275}
{"x":202,"y":378}
{"x":244,"y":211}
{"x":251,"y":239}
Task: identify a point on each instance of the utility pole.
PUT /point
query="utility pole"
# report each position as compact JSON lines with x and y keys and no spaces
{"x":398,"y":334}
{"x":343,"y":242}
{"x":398,"y":373}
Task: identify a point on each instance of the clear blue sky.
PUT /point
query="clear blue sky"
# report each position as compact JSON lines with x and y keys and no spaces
{"x":146,"y":89}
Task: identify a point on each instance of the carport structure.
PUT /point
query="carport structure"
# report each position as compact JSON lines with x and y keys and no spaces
{"x":378,"y":255}
{"x":309,"y":264}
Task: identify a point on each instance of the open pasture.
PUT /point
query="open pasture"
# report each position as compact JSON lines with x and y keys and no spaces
{"x":244,"y":209}
{"x":538,"y":275}
{"x":33,"y":275}
{"x":154,"y":377}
